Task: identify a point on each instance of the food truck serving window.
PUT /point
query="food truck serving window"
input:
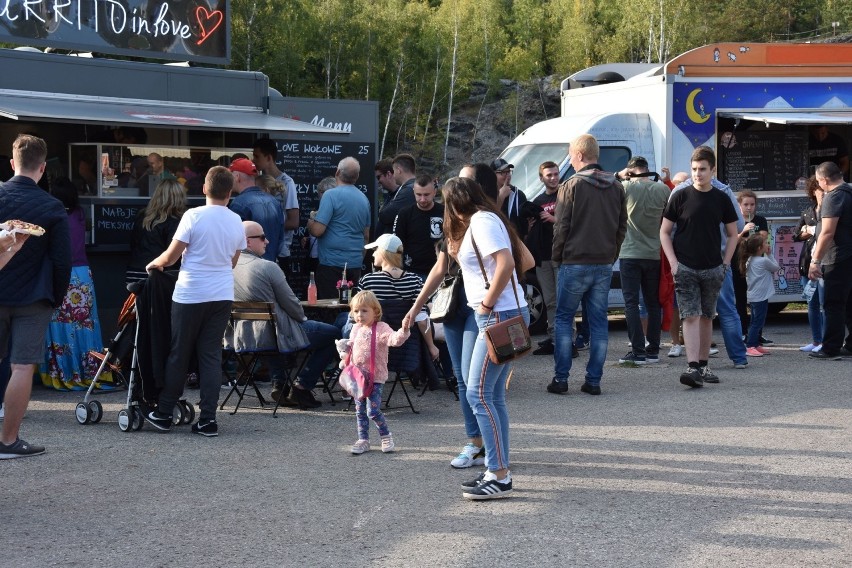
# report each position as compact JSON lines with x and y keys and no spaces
{"x":119,"y":170}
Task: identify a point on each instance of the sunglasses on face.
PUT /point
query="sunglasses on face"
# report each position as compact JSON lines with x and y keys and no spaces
{"x":261,"y":237}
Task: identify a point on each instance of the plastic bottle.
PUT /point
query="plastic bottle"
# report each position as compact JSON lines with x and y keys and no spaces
{"x":808,"y":291}
{"x":312,"y":290}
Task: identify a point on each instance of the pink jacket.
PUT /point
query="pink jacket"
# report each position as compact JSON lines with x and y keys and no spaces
{"x":359,"y":341}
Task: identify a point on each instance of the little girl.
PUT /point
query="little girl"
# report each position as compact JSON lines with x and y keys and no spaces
{"x":758,"y":265}
{"x":366,"y":311}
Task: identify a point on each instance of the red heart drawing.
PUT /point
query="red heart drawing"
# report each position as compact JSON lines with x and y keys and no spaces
{"x":204,"y":16}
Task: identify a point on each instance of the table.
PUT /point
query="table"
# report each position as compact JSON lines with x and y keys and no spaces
{"x":325,"y":311}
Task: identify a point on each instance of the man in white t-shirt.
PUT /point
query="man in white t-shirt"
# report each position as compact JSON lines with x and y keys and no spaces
{"x":265,"y":157}
{"x":208,"y":240}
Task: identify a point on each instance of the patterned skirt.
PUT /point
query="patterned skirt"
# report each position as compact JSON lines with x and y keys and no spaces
{"x":74,"y":331}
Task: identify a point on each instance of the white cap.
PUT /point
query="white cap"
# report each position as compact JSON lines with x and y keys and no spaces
{"x":388,"y":242}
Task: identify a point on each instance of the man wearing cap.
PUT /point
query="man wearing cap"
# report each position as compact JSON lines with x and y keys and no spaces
{"x":420,"y":227}
{"x":253,"y":204}
{"x":341,"y":226}
{"x":639,"y":260}
{"x":404,"y":172}
{"x":510,"y":199}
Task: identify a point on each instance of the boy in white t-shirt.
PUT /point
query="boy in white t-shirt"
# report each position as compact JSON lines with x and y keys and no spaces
{"x":208,"y":240}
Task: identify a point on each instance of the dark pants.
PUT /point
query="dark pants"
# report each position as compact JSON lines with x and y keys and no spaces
{"x":641,"y":275}
{"x":327,"y":278}
{"x":740,"y":293}
{"x":196,"y":328}
{"x":838,"y":306}
{"x":321,"y":337}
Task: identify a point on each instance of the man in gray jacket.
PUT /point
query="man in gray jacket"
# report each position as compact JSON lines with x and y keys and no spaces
{"x":260,"y":280}
{"x":591,"y":221}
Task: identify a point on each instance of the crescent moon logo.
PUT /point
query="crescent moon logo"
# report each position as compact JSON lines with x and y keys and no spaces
{"x":695,"y":116}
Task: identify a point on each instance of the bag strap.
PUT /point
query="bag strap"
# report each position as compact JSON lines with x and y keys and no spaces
{"x":485,"y":276}
{"x":373,"y":351}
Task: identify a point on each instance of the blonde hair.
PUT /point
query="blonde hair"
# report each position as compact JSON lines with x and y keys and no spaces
{"x":588,"y":146}
{"x":366,"y":299}
{"x":392,"y":258}
{"x":271,"y":185}
{"x":169,"y":200}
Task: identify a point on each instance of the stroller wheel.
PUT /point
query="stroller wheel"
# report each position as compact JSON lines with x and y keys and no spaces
{"x":124,"y":420}
{"x":83,"y":414}
{"x":179,"y":413}
{"x":96,"y":410}
{"x":138,"y":418}
{"x":189,"y":418}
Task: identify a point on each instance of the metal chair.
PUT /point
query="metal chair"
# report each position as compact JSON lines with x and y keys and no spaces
{"x":248,"y":343}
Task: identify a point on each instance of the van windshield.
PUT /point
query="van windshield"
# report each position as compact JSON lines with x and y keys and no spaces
{"x":527,"y":159}
{"x":613,"y":159}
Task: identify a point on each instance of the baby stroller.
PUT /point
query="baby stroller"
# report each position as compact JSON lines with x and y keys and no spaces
{"x":147,"y":329}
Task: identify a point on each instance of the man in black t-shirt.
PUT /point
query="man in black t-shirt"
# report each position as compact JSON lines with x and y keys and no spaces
{"x":540,"y":243}
{"x":754,"y":223}
{"x":832,"y":261}
{"x":697,"y":263}
{"x":420,"y":226}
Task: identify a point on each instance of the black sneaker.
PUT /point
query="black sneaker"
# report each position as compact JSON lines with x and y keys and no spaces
{"x":652,"y":358}
{"x":545,"y":342}
{"x":208,"y":429}
{"x":707,"y":375}
{"x":764,"y":341}
{"x":473,"y":482}
{"x":557,"y":387}
{"x":581,"y":343}
{"x":302,"y":398}
{"x":633,"y":358}
{"x":491,"y":489}
{"x":821,"y":354}
{"x":574,"y":352}
{"x":845,"y":352}
{"x":159,"y":421}
{"x":692,"y":378}
{"x":546,"y":349}
{"x":590,"y":389}
{"x":19,"y":449}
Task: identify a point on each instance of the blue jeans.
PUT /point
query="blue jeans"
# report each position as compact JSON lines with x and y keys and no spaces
{"x":321,"y":337}
{"x":729,"y":321}
{"x":758,"y":318}
{"x":589,"y":283}
{"x":486,"y":393}
{"x":815,"y":311}
{"x":460,"y":333}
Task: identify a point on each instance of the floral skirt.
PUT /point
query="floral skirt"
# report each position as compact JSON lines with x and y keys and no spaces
{"x":73,"y":332}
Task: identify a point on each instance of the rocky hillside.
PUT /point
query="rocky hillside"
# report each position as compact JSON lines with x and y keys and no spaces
{"x":485,"y":122}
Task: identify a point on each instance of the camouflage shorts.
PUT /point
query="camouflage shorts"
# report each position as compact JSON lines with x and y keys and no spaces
{"x":698,"y":290}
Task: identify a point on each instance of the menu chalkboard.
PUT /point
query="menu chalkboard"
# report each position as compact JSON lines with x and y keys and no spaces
{"x":785,"y":206}
{"x":308,"y":163}
{"x":759,"y":161}
{"x":113,"y":224}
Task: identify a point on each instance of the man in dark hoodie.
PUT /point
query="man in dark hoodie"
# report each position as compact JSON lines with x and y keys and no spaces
{"x":591,"y":221}
{"x":32,"y":284}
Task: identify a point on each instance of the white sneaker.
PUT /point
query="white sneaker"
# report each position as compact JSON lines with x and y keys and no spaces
{"x":360,"y":447}
{"x":817,"y":349}
{"x":470,"y":456}
{"x":387,"y":444}
{"x":714,"y":351}
{"x":808,"y":348}
{"x":676,"y":351}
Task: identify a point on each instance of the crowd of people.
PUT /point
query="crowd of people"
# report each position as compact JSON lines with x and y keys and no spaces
{"x":688,"y":249}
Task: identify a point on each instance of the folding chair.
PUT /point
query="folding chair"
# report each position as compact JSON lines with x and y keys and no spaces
{"x":403,"y":361}
{"x":248,"y":343}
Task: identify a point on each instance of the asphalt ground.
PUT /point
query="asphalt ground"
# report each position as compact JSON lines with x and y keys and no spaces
{"x":754,"y":471}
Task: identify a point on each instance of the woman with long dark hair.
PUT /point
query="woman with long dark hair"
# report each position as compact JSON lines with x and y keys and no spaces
{"x":479,"y":238}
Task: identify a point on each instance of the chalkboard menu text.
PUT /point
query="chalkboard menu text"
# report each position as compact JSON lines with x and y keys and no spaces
{"x":755,"y":160}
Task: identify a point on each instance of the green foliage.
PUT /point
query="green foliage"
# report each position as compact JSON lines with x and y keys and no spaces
{"x":352,"y":48}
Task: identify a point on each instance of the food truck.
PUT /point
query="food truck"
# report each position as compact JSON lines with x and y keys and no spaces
{"x":103,"y":117}
{"x":758,"y":105}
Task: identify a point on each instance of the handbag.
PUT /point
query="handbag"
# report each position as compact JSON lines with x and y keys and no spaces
{"x":508,"y":339}
{"x":445,"y":300}
{"x":355,"y":379}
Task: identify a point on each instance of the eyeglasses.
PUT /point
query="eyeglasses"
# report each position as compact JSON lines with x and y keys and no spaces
{"x":261,"y":237}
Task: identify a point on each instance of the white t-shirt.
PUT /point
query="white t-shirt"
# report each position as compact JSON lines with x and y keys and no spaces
{"x":213,"y":234}
{"x":292,"y":202}
{"x":491,"y":236}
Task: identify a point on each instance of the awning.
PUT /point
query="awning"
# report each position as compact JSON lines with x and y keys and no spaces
{"x":793,"y":116}
{"x":19,"y":105}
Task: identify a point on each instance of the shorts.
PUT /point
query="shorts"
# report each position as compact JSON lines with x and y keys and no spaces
{"x":27,"y":326}
{"x":698,"y":290}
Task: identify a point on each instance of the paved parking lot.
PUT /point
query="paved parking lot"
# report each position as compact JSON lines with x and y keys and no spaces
{"x":755,"y":471}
